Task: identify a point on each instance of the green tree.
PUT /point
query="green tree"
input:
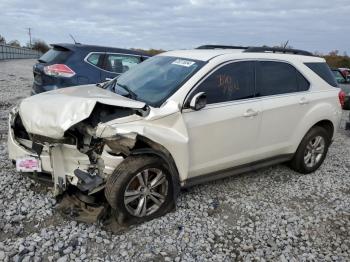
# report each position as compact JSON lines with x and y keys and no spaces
{"x":335,"y":60}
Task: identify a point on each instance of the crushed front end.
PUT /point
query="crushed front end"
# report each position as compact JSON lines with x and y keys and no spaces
{"x":54,"y":134}
{"x":77,"y":159}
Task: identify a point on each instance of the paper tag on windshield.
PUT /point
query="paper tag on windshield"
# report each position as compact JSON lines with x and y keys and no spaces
{"x":182,"y":62}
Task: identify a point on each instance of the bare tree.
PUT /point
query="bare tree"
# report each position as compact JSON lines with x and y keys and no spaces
{"x":2,"y":40}
{"x":15,"y":43}
{"x":40,"y":45}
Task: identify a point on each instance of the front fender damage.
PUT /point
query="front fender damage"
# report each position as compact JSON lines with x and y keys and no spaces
{"x":162,"y":130}
{"x":89,"y":151}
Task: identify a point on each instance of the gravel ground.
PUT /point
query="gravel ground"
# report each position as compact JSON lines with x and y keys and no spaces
{"x":273,"y":214}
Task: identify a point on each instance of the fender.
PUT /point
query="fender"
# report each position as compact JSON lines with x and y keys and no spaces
{"x":168,"y":160}
{"x":320,"y":112}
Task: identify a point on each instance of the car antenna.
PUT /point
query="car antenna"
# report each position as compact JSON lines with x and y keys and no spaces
{"x":75,"y":42}
{"x":285,"y":44}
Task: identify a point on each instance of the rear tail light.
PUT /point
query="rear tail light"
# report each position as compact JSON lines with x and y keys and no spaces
{"x":58,"y":70}
{"x":341,"y":96}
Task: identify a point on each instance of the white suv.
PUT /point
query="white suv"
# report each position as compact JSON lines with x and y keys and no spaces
{"x":178,"y":119}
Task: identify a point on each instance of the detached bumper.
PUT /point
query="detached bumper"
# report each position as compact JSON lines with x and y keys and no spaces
{"x":59,"y":161}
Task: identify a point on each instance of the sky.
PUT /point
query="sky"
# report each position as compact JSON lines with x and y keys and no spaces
{"x":313,"y":25}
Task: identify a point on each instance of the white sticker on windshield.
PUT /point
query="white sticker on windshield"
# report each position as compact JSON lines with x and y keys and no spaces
{"x":182,"y":62}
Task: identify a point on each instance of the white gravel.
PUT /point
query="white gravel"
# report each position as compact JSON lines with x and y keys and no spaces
{"x":273,"y":214}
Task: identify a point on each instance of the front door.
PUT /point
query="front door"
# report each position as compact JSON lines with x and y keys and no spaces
{"x":224,"y":133}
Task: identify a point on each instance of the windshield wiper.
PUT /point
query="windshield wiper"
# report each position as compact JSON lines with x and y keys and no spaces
{"x":105,"y":85}
{"x":127,"y":89}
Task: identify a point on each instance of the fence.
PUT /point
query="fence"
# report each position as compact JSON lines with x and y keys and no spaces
{"x":12,"y":52}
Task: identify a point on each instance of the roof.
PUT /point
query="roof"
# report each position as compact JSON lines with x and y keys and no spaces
{"x":208,"y":54}
{"x":201,"y":54}
{"x":97,"y":48}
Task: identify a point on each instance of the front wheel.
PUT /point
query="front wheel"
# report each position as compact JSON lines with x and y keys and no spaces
{"x":140,"y":189}
{"x":311,"y":151}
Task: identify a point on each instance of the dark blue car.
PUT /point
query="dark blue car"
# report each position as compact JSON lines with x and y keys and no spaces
{"x":77,"y":64}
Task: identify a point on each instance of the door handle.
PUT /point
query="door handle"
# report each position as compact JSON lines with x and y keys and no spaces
{"x":250,"y":113}
{"x":303,"y":101}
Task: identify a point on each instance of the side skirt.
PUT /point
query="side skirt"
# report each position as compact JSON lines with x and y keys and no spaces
{"x":236,"y":170}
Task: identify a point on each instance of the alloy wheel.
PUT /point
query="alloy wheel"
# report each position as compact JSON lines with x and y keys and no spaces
{"x":314,"y":151}
{"x":146,"y":192}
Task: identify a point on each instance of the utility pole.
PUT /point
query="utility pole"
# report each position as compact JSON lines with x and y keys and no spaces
{"x":30,"y":37}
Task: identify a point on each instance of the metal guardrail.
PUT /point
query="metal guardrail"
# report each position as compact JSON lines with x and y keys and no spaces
{"x":12,"y":52}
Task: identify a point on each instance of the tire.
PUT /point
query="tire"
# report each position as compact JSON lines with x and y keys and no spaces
{"x":127,"y":177}
{"x":347,"y":105}
{"x":302,"y":161}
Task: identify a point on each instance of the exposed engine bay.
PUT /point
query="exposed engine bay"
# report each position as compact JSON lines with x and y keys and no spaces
{"x":98,"y":157}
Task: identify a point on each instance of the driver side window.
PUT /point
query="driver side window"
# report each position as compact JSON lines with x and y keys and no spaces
{"x":231,"y":82}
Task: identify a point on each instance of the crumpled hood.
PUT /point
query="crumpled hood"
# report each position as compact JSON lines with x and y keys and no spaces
{"x":51,"y":113}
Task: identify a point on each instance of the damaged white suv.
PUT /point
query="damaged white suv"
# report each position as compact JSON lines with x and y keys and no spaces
{"x":178,"y":119}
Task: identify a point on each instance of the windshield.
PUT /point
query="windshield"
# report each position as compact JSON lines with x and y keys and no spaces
{"x":156,"y":79}
{"x":55,"y":55}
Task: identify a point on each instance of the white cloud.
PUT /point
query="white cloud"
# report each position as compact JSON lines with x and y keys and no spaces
{"x":308,"y":24}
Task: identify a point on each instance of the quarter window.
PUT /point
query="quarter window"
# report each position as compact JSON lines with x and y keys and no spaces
{"x":323,"y":71}
{"x":120,"y":63}
{"x":231,"y":82}
{"x":95,"y":59}
{"x":303,"y":84}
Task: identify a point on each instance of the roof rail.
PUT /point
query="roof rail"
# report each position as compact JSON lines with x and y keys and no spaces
{"x":221,"y":47}
{"x":277,"y":50}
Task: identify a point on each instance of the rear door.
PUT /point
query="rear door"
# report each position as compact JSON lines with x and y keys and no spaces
{"x":285,"y":100}
{"x":93,"y":74}
{"x":115,"y":64}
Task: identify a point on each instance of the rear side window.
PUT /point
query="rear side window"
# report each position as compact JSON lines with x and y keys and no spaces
{"x":230,"y":82}
{"x":275,"y":78}
{"x":55,"y":55}
{"x":118,"y":63}
{"x":323,"y":71}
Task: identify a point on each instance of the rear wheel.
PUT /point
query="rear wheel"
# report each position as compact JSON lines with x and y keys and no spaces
{"x":311,"y":151}
{"x":140,"y":189}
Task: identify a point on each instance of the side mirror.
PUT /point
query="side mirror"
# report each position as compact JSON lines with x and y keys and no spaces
{"x":198,"y":101}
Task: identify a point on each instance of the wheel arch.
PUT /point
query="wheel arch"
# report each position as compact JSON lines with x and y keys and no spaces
{"x":327,"y":125}
{"x":326,"y":114}
{"x":146,"y":146}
